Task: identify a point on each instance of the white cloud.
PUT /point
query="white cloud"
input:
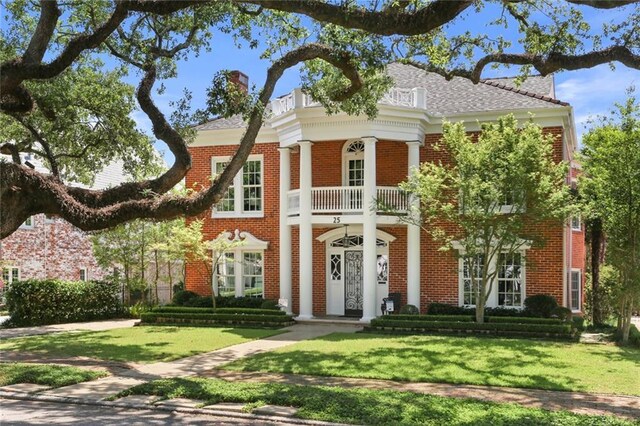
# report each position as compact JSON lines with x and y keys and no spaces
{"x":593,"y":92}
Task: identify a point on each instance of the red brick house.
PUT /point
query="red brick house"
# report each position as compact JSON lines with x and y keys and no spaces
{"x":50,"y":247}
{"x":301,"y":202}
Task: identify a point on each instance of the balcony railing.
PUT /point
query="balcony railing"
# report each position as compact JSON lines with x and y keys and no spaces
{"x":410,"y":98}
{"x":347,"y":199}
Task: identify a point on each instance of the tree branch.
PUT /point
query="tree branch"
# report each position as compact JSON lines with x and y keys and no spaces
{"x":57,"y":199}
{"x":388,"y":21}
{"x":543,"y":64}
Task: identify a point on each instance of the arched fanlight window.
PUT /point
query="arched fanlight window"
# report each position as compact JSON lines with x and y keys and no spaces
{"x":356,"y":146}
{"x":353,"y":163}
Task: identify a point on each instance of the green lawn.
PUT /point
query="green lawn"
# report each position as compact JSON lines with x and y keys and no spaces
{"x":137,"y":344}
{"x":362,"y":406}
{"x":470,"y":360}
{"x":45,"y":374}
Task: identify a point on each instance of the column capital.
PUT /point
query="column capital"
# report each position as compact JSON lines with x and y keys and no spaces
{"x":285,"y":148}
{"x":414,"y":143}
{"x":305,"y":142}
{"x":369,"y":139}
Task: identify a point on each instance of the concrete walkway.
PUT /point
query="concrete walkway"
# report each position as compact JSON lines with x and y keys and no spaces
{"x":8,"y":333}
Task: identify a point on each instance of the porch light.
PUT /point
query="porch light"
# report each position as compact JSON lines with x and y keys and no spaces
{"x":345,"y":239}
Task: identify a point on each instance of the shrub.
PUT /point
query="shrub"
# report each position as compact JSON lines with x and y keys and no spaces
{"x":200,"y":302}
{"x":444,"y":309}
{"x":634,"y":336}
{"x":409,"y":310}
{"x":270,"y":304}
{"x":239,"y":302}
{"x":186,"y":309}
{"x":180,"y":298}
{"x":525,"y":320}
{"x":564,"y":329}
{"x":562,"y":313}
{"x":216,"y":318}
{"x":504,"y":312}
{"x":449,"y":318}
{"x":540,"y":305}
{"x":39,"y":302}
{"x":578,"y":322}
{"x":139,"y":308}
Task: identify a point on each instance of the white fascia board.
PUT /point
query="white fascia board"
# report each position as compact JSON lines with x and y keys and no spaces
{"x":546,"y":117}
{"x":394,"y":123}
{"x":219,"y":137}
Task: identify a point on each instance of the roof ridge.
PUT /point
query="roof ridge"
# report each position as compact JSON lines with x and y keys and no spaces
{"x":524,"y":92}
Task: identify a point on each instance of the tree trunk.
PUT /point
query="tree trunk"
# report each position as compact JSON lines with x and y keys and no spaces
{"x":480,"y":303}
{"x":155,"y":280}
{"x":625,"y":319}
{"x":597,"y":258}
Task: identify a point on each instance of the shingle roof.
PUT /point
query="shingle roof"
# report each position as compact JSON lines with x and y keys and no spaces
{"x":456,"y":96}
{"x":460,"y":95}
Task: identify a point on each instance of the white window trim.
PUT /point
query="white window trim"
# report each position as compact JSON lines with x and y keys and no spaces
{"x":31,"y":226}
{"x":11,"y":268}
{"x":238,"y":191}
{"x":346,"y":156}
{"x":573,"y":308}
{"x":492,"y":300}
{"x":86,"y":274}
{"x":249,"y":244}
{"x":579,"y":228}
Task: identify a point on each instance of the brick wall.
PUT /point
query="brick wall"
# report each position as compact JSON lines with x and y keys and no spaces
{"x":439,"y":270}
{"x":50,"y":249}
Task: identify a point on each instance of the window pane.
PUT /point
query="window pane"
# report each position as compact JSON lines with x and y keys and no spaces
{"x":469,"y":295}
{"x":225,"y":272}
{"x":227,"y":203}
{"x":252,"y":274}
{"x":575,"y":290}
{"x":252,"y":186}
{"x":510,"y":280}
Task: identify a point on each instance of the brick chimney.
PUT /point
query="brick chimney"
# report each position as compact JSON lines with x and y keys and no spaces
{"x":240,"y":79}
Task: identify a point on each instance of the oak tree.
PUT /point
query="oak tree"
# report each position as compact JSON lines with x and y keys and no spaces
{"x":343,"y":45}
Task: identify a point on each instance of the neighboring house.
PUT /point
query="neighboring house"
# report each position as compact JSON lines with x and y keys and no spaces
{"x":50,"y":247}
{"x":302,"y":201}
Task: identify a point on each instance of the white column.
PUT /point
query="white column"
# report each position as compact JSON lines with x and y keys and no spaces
{"x":413,"y":234}
{"x":369,"y":261}
{"x":285,"y":229}
{"x":306,"y":236}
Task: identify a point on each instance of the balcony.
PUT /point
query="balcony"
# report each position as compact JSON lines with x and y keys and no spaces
{"x":346,"y":200}
{"x":399,"y":97}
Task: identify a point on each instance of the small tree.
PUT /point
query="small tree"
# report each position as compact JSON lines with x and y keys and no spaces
{"x":485,"y":202}
{"x":611,"y":184}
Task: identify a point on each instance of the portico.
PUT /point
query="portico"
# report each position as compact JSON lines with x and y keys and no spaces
{"x":351,"y":209}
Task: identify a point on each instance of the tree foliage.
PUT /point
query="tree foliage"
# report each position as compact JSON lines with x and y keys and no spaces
{"x":491,"y":197}
{"x":52,"y":107}
{"x":611,"y":186}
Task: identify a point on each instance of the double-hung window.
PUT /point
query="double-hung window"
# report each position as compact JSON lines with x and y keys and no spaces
{"x":245,"y":195}
{"x":10,"y":274}
{"x":471,"y":274}
{"x":576,"y":287}
{"x":510,"y":280}
{"x":507,"y":282}
{"x":84,"y":274}
{"x":239,"y":270}
{"x":575,"y":223}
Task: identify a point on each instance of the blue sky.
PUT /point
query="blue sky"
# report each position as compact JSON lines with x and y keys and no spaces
{"x":591,"y":92}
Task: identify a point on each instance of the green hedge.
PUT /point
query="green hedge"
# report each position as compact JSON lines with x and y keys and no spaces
{"x":40,"y":302}
{"x":525,"y":320}
{"x":248,"y":311}
{"x":461,"y":318}
{"x":564,"y":329}
{"x":153,"y":317}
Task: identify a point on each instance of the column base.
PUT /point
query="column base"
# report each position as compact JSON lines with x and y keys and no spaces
{"x":303,"y":317}
{"x":366,"y":320}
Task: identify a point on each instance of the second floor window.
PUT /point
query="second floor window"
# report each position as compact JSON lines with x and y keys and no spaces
{"x":245,"y":194}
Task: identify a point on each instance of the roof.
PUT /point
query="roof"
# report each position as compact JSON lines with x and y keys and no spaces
{"x":456,"y":96}
{"x":112,"y":175}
